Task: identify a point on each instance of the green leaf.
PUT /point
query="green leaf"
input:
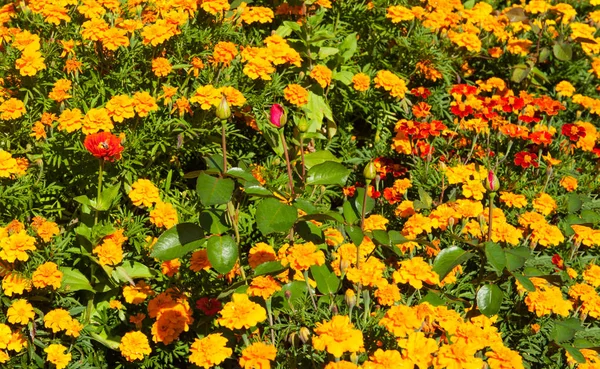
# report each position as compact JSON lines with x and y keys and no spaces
{"x":489,"y":299}
{"x":274,"y":216}
{"x":83,"y":199}
{"x":214,"y":163}
{"x":562,"y":51}
{"x":515,"y":258}
{"x":325,"y":52}
{"x":309,"y":232}
{"x":520,"y":72}
{"x":565,"y":330}
{"x":425,"y":198}
{"x":590,"y":216}
{"x":433,"y":298}
{"x":135,"y":270}
{"x":270,"y":267}
{"x":111,"y":344}
{"x":73,"y":280}
{"x":343,"y":76}
{"x":316,"y":110}
{"x":213,"y":190}
{"x":327,"y":281}
{"x":396,"y":238}
{"x":239,"y":173}
{"x":222,"y":253}
{"x":319,"y":157}
{"x":349,"y":46}
{"x":525,"y":282}
{"x":257,"y":190}
{"x":575,"y":353}
{"x":495,"y":256}
{"x":328,"y":173}
{"x":297,"y":290}
{"x":107,"y":197}
{"x":328,"y":216}
{"x":178,"y":241}
{"x":369,"y":205}
{"x":516,"y":14}
{"x":573,"y":203}
{"x":350,"y":213}
{"x":355,"y":234}
{"x":213,"y":221}
{"x":381,"y":237}
{"x":448,"y":259}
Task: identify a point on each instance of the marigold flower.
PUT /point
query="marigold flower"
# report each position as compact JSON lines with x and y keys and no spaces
{"x":258,"y":355}
{"x":14,"y":284}
{"x":240,"y":313}
{"x":214,"y":7}
{"x":96,"y":119}
{"x":144,"y":103}
{"x":296,"y":94}
{"x":399,"y":14}
{"x":206,"y":96}
{"x":46,"y":275}
{"x":134,"y":346}
{"x":259,"y":67}
{"x":361,"y":82}
{"x":113,"y":38}
{"x":224,"y":52}
{"x":163,"y":215}
{"x":257,"y":14}
{"x":12,"y":109}
{"x":302,"y":256}
{"x":263,"y":286}
{"x":57,"y":356}
{"x":120,"y":107}
{"x":199,"y":261}
{"x":322,"y":75}
{"x":526,"y":159}
{"x":337,"y":336}
{"x":20,"y":312}
{"x":261,"y":253}
{"x":209,"y":351}
{"x":544,"y":204}
{"x":138,"y":293}
{"x":57,"y":320}
{"x":144,"y":193}
{"x":104,"y":146}
{"x":456,"y":356}
{"x":415,"y":271}
{"x":47,"y":230}
{"x":30,"y":62}
{"x":161,"y":67}
{"x":375,"y":222}
{"x":15,"y":247}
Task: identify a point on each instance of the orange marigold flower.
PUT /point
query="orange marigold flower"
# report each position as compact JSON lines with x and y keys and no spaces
{"x":59,"y":91}
{"x":322,"y":75}
{"x":14,"y":284}
{"x":134,"y":346}
{"x":259,"y":67}
{"x":12,"y":109}
{"x":257,"y":14}
{"x":240,"y":313}
{"x":161,"y":67}
{"x":144,"y":103}
{"x":258,"y":355}
{"x":56,"y":355}
{"x":199,"y":261}
{"x":46,"y":275}
{"x":15,"y":247}
{"x":214,"y":7}
{"x":57,"y":320}
{"x":209,"y":351}
{"x":20,"y":312}
{"x":415,"y":271}
{"x":568,"y":183}
{"x":137,"y":294}
{"x":70,"y":120}
{"x":30,"y":62}
{"x":263,"y":286}
{"x":206,"y":96}
{"x":224,"y":52}
{"x":95,"y":120}
{"x":170,"y":267}
{"x":120,"y":107}
{"x":113,"y":38}
{"x":144,"y":193}
{"x":337,"y":336}
{"x":399,"y":14}
{"x":163,"y":215}
{"x":361,"y":82}
{"x":296,"y":94}
{"x":302,"y":256}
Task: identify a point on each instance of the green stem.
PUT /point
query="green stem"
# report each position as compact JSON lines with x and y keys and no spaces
{"x":302,"y":156}
{"x":224,"y":145}
{"x":310,"y":291}
{"x":287,"y":161}
{"x":491,"y":217}
{"x":100,"y":172}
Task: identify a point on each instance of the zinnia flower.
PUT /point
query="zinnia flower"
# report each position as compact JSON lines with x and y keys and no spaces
{"x":104,"y":146}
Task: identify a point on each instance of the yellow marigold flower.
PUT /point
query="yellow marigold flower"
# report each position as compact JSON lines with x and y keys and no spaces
{"x":258,"y":355}
{"x":209,"y":351}
{"x":592,"y":275}
{"x":72,"y":328}
{"x":387,"y":294}
{"x":199,"y":261}
{"x":161,"y":67}
{"x":375,"y":222}
{"x":13,"y":284}
{"x":5,"y":336}
{"x":206,"y":96}
{"x":333,"y":237}
{"x":57,"y":320}
{"x":544,"y":204}
{"x":415,"y":271}
{"x":467,"y":40}
{"x":417,"y":349}
{"x":30,"y":62}
{"x":341,"y":365}
{"x":337,"y":336}
{"x":57,"y":356}
{"x":12,"y":109}
{"x":384,"y":359}
{"x":296,"y":94}
{"x":257,"y":14}
{"x":586,"y":236}
{"x":547,"y":300}
{"x":170,"y":267}
{"x":390,"y":82}
{"x":322,"y":75}
{"x":565,"y":88}
{"x":47,"y":230}
{"x":518,"y":46}
{"x":120,"y":107}
{"x":47,"y":274}
{"x":214,"y":7}
{"x":95,"y":120}
{"x":361,"y":82}
{"x":456,"y":356}
{"x":15,"y":247}
{"x":504,"y":358}
{"x":240,"y":313}
{"x":263,"y":286}
{"x":60,"y":89}
{"x":369,"y":273}
{"x":302,"y":256}
{"x":134,"y":346}
{"x":569,"y":183}
{"x":144,"y":103}
{"x":20,"y":312}
{"x":144,"y":193}
{"x":115,"y":304}
{"x":70,"y":120}
{"x":163,"y":215}
{"x":138,"y":293}
{"x":513,"y":200}
{"x":588,"y":142}
{"x":399,"y":14}
{"x":224,"y":52}
{"x":259,"y":67}
{"x":113,"y":38}
{"x":232,"y":95}
{"x":8,"y":164}
{"x":155,"y":34}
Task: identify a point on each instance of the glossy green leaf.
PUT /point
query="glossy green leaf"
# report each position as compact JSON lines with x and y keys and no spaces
{"x":562,"y":51}
{"x":358,"y":201}
{"x":178,"y":241}
{"x":495,"y":256}
{"x":273,"y":216}
{"x":350,"y":213}
{"x":270,"y":267}
{"x":327,"y":281}
{"x":319,"y":157}
{"x":214,"y":221}
{"x":73,"y":280}
{"x":565,"y":330}
{"x":222,"y":253}
{"x":525,"y":282}
{"x":328,"y":173}
{"x":355,"y":234}
{"x":516,"y":258}
{"x":448,"y":259}
{"x":213,"y":190}
{"x":489,"y":299}
{"x":239,"y":173}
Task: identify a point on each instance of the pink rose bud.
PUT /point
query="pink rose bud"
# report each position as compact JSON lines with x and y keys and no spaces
{"x":278,"y":116}
{"x":492,"y":183}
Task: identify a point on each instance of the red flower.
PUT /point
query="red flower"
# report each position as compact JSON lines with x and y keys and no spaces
{"x":104,"y":145}
{"x":573,"y":132}
{"x":421,"y":92}
{"x":278,"y":116}
{"x":558,"y":261}
{"x":349,"y":191}
{"x":209,"y":305}
{"x":526,"y":159}
{"x":541,"y":137}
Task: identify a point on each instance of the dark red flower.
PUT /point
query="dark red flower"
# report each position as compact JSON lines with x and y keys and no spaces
{"x":278,"y":116}
{"x":558,"y":261}
{"x":421,"y":92}
{"x":526,"y":159}
{"x":573,"y":132}
{"x":104,"y":145}
{"x":209,"y":305}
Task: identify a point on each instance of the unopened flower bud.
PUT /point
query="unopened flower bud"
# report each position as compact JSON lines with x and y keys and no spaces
{"x":278,"y":116}
{"x":370,"y":171}
{"x":223,"y":110}
{"x":344,"y":264}
{"x":354,"y":358}
{"x":350,"y":298}
{"x":293,"y":339}
{"x":304,"y":334}
{"x":303,"y":125}
{"x":492,"y":183}
{"x":451,"y":221}
{"x":335,"y":310}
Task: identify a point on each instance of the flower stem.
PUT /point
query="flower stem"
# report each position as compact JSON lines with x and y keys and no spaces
{"x":310,"y":291}
{"x":302,"y":156}
{"x":100,"y":172}
{"x":287,"y":161}
{"x":224,"y":145}
{"x":491,"y":217}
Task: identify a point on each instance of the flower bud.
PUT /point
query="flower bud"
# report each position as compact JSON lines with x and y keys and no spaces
{"x":491,"y":182}
{"x":344,"y":264}
{"x":303,"y":125}
{"x":223,"y":110}
{"x":288,"y":294}
{"x":304,"y":334}
{"x":293,"y":339}
{"x":278,"y":116}
{"x":350,"y":298}
{"x":370,"y":171}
